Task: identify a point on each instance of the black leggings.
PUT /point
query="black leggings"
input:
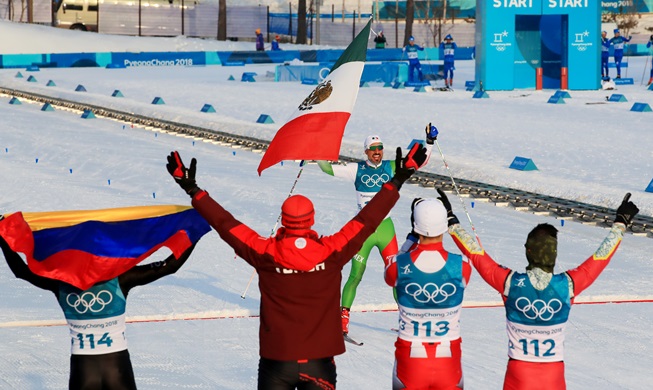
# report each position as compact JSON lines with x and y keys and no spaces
{"x":111,"y":371}
{"x":318,"y":374}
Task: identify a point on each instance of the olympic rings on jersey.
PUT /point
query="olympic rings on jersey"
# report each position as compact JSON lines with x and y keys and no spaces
{"x":89,"y":301}
{"x":375,"y":180}
{"x":430,"y":292}
{"x":538,"y":308}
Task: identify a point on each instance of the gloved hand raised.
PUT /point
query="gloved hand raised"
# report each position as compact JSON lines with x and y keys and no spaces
{"x":405,"y":167}
{"x":431,"y":134}
{"x":185,"y":177}
{"x":451,"y":217}
{"x":626,"y":211}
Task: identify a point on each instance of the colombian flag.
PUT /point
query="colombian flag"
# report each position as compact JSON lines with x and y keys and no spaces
{"x":88,"y":246}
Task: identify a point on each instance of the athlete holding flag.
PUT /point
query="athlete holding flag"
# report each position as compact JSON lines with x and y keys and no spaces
{"x":96,"y":317}
{"x":368,"y":177}
{"x":538,"y":301}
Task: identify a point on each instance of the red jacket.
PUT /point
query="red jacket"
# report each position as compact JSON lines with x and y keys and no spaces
{"x":299,"y":276}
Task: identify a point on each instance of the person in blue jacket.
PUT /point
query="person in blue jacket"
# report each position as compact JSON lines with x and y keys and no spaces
{"x":448,"y":48}
{"x":413,"y":62}
{"x":260,"y":43}
{"x":648,"y":46}
{"x":605,"y":55}
{"x":618,"y":42}
{"x":275,"y":44}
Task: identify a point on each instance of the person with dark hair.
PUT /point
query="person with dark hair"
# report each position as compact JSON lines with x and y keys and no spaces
{"x":299,"y":275}
{"x":96,"y":316}
{"x":380,"y":40}
{"x":538,"y":301}
{"x":430,"y":284}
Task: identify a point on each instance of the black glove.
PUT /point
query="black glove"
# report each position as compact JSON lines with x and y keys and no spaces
{"x":451,"y":217}
{"x":405,"y":167}
{"x":626,"y":211}
{"x":185,"y":177}
{"x":431,"y":134}
{"x":3,"y":243}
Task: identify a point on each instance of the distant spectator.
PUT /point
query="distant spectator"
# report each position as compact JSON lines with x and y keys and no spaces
{"x":259,"y":40}
{"x":275,"y":43}
{"x":413,"y":61}
{"x":619,"y":42}
{"x":648,"y":46}
{"x":380,"y":40}
{"x":448,"y":47}
{"x":605,"y":55}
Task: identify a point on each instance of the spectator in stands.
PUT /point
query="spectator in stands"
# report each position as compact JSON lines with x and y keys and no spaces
{"x":259,"y":40}
{"x":275,"y":43}
{"x":380,"y":40}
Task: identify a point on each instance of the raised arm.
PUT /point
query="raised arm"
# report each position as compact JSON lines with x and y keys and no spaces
{"x":345,"y":171}
{"x":585,"y":274}
{"x":148,"y":273}
{"x":494,"y":274}
{"x":22,"y":271}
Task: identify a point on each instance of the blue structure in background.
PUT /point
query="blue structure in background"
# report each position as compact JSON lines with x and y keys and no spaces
{"x":516,"y":37}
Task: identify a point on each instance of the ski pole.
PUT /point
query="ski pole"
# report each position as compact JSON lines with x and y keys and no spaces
{"x":458,"y":193}
{"x":641,"y":82}
{"x":292,"y":189}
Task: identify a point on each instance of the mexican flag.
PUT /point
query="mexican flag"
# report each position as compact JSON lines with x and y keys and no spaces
{"x":314,"y":131}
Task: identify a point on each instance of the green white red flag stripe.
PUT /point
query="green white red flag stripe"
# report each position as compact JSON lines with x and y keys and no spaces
{"x":315,"y":130}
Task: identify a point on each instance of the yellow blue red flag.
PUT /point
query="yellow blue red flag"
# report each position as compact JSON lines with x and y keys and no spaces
{"x":84,"y":247}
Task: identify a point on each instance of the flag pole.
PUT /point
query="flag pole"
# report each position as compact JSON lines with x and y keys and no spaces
{"x":274,"y":228}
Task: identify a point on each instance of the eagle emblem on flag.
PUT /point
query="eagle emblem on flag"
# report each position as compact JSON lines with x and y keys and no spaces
{"x":319,"y":94}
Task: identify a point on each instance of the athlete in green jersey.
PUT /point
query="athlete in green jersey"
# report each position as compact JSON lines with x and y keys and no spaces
{"x":368,"y":176}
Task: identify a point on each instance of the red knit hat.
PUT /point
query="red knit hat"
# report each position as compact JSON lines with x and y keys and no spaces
{"x":297,"y":212}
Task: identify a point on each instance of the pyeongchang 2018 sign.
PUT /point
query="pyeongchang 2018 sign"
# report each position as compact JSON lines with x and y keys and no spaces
{"x":620,"y":6}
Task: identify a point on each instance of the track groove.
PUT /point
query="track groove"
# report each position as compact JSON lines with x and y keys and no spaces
{"x":501,"y":196}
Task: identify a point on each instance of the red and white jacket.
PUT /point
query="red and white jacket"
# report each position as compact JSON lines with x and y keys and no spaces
{"x":299,"y":276}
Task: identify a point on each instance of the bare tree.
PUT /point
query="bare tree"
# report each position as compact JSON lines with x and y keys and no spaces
{"x":301,"y":22}
{"x":410,"y":16}
{"x":626,"y":18}
{"x":222,"y":20}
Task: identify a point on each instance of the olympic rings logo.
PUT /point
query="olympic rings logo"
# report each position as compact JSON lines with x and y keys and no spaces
{"x":375,"y":180}
{"x":89,"y":301}
{"x":538,"y":308}
{"x":430,"y":292}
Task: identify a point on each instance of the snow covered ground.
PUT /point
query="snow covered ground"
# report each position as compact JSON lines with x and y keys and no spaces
{"x":589,"y":152}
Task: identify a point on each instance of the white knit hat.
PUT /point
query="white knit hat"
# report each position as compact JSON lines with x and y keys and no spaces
{"x":430,"y":218}
{"x":372,"y":139}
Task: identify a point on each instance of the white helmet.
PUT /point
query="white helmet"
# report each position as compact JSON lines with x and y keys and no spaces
{"x":430,"y":218}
